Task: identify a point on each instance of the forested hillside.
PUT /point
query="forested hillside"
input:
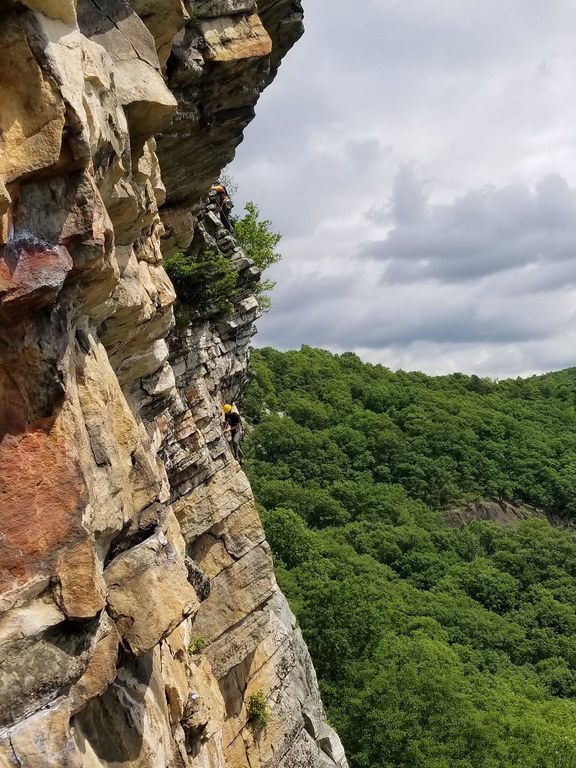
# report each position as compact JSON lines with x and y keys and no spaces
{"x":436,"y":647}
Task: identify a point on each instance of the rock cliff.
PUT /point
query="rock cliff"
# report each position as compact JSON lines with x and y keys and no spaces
{"x":138,"y":607}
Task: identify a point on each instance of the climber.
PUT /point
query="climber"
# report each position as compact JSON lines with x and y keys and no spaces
{"x":234,"y":428}
{"x":224,"y":204}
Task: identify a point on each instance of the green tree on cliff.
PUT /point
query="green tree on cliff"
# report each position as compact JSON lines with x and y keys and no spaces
{"x":208,"y":281}
{"x":258,"y":243}
{"x":204,"y":283}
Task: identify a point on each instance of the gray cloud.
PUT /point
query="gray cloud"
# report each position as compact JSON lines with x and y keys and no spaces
{"x":344,"y":313}
{"x":420,"y":162}
{"x":483,"y":232}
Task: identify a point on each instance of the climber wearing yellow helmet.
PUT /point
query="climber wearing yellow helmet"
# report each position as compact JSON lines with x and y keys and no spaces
{"x":224,"y":204}
{"x":234,"y":428}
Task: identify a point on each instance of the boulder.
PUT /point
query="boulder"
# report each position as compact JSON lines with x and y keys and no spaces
{"x":32,"y":274}
{"x":148,"y":593}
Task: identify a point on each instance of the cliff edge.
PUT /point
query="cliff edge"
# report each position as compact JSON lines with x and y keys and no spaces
{"x":139,"y":613}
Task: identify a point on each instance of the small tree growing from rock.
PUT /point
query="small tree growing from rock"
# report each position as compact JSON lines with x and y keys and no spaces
{"x":258,"y":710}
{"x":258,"y":243}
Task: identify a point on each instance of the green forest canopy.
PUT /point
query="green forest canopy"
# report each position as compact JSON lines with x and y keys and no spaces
{"x":436,"y":647}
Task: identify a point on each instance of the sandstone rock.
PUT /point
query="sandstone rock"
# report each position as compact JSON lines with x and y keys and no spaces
{"x":5,"y":199}
{"x":106,"y":121}
{"x":69,"y":210}
{"x":198,"y":579}
{"x":230,"y":89}
{"x":207,"y":8}
{"x":283,"y":21}
{"x":129,"y":724}
{"x":230,"y":650}
{"x":138,"y":317}
{"x":161,"y":382}
{"x":297,"y":727}
{"x":148,"y":593}
{"x":147,"y":171}
{"x":232,"y":38}
{"x":179,"y":230}
{"x":236,"y":592}
{"x":163,"y":22}
{"x":57,"y":42}
{"x":139,"y":85}
{"x":211,"y":552}
{"x":44,"y":739}
{"x":101,"y":669}
{"x":33,"y":115}
{"x":132,"y":208}
{"x":125,"y":477}
{"x":495,"y":511}
{"x":211,"y":503}
{"x":81,"y":587}
{"x":42,"y":489}
{"x":240,"y":531}
{"x":138,"y":366}
{"x":175,"y":683}
{"x":31,"y":619}
{"x":53,"y":658}
{"x":228,"y":540}
{"x":205,"y":708}
{"x":64,"y":10}
{"x":32,"y":273}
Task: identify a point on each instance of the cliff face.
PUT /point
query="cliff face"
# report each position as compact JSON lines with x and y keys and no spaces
{"x":138,"y":607}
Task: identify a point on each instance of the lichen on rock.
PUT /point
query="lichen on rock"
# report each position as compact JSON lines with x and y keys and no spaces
{"x":138,"y":605}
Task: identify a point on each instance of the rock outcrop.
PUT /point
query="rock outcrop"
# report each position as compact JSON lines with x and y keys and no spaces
{"x":502,"y":512}
{"x":138,"y":606}
{"x":493,"y":511}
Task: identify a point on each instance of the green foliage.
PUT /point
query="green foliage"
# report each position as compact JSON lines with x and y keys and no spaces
{"x":290,"y":539}
{"x":258,"y":243}
{"x":203,"y":284}
{"x":435,"y":646}
{"x":256,"y":239}
{"x":258,"y":710}
{"x":443,"y":439}
{"x":197,"y":645}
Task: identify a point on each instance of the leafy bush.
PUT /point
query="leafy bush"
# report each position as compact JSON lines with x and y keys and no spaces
{"x":203,"y":284}
{"x":258,"y":710}
{"x":197,"y":645}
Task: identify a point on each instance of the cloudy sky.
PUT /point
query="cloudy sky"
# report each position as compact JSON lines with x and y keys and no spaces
{"x":419,"y":157}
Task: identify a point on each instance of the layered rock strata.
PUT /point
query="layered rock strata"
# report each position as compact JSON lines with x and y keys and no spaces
{"x":138,"y":607}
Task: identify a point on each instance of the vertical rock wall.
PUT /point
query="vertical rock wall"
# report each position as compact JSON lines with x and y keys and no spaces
{"x":138,"y":608}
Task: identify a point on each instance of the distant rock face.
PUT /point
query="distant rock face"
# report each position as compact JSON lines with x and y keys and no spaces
{"x":493,"y":511}
{"x":138,"y":606}
{"x":502,"y":512}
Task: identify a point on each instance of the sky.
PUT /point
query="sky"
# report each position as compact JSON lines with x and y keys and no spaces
{"x":419,"y":159}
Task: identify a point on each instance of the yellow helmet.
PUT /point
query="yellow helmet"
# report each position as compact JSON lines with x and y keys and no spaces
{"x":227,"y":408}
